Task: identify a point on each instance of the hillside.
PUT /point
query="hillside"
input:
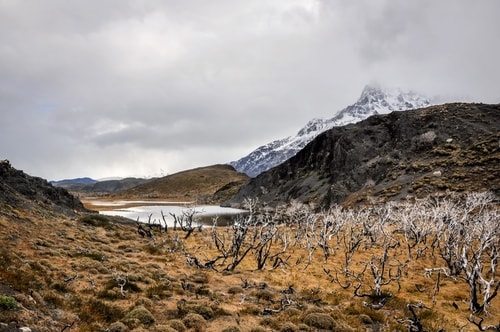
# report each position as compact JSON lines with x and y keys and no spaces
{"x":372,"y":101}
{"x":211,"y":184}
{"x":413,"y":153}
{"x":19,"y":190}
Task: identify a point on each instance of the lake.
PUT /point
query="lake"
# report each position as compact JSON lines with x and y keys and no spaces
{"x":204,"y":214}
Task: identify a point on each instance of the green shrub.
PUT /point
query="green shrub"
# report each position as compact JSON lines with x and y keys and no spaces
{"x":93,"y":255}
{"x":272,"y":322}
{"x":250,"y":309}
{"x":97,"y":220}
{"x":109,"y":294}
{"x":204,"y":311}
{"x":264,"y":294}
{"x":231,"y":329}
{"x":117,"y":327}
{"x":163,"y":328}
{"x":199,"y":278}
{"x":177,"y":324}
{"x":194,"y":321}
{"x":60,"y":287}
{"x":147,"y":303}
{"x":152,"y":250}
{"x":7,"y":302}
{"x":320,"y":321}
{"x":98,"y":310}
{"x":291,"y":312}
{"x":235,"y":290}
{"x":289,"y":327}
{"x":258,"y":329}
{"x":142,"y":314}
{"x":53,"y":299}
{"x":303,"y":327}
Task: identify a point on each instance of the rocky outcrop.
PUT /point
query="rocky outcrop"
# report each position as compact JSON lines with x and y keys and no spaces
{"x":21,"y":191}
{"x":390,"y":156}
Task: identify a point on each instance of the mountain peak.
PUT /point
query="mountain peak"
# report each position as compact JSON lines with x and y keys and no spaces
{"x":371,"y":92}
{"x":373,"y":100}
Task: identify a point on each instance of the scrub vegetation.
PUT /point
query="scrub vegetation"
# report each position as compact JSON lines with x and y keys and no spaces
{"x":418,"y":265}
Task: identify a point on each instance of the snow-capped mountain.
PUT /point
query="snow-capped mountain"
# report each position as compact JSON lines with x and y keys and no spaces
{"x":373,"y":100}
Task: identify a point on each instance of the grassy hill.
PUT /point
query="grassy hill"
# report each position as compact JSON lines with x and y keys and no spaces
{"x":211,"y":184}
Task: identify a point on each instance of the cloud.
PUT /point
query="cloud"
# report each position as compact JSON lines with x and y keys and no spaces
{"x":117,"y":88}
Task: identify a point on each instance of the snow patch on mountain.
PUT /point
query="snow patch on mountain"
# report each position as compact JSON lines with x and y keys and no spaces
{"x":373,"y":101}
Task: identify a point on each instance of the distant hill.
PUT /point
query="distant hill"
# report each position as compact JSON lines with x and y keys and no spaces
{"x":20,"y":191}
{"x":77,"y":181}
{"x":88,"y":185}
{"x":451,"y":147}
{"x":211,"y":184}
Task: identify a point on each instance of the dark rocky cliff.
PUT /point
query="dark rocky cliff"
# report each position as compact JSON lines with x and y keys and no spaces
{"x":20,"y":191}
{"x":414,"y":153}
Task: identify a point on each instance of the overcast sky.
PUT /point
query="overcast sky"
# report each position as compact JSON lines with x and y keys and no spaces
{"x":147,"y":88}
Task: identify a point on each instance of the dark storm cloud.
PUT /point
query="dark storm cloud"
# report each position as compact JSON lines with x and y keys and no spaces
{"x":133,"y":87}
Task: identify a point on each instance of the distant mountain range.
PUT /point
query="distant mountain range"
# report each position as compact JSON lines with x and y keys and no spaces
{"x":373,"y":100}
{"x":95,"y":186}
{"x":77,"y":181}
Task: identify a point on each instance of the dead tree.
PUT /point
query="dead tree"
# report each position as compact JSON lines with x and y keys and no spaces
{"x":144,"y":232}
{"x":479,"y":261}
{"x":416,"y":227}
{"x":384,"y":268}
{"x":164,"y":221}
{"x":265,"y":237}
{"x":186,"y":220}
{"x":121,"y":281}
{"x":235,"y":241}
{"x":331,"y":223}
{"x":242,"y":241}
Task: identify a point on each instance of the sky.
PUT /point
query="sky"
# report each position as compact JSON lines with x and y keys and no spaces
{"x":118,"y":88}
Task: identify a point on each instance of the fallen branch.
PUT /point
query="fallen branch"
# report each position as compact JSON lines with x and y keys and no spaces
{"x":483,"y":328}
{"x":377,"y":306}
{"x":70,"y":279}
{"x":285,"y":302}
{"x":68,"y":326}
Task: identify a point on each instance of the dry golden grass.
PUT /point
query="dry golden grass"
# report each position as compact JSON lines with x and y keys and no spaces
{"x":64,"y":271}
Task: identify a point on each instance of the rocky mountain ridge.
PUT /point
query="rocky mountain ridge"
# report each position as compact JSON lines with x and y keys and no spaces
{"x":373,"y":100}
{"x":450,"y":147}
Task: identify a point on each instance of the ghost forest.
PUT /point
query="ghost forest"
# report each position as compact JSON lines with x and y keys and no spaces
{"x":370,"y":251}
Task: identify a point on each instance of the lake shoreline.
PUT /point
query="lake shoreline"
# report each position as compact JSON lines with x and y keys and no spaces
{"x":163,"y":211}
